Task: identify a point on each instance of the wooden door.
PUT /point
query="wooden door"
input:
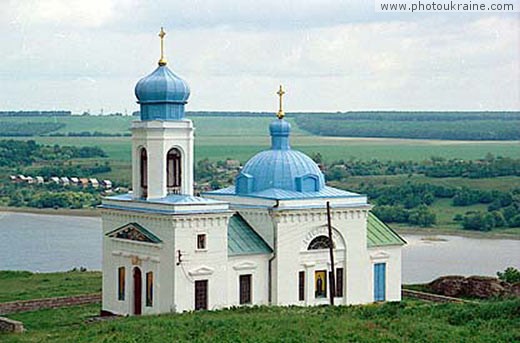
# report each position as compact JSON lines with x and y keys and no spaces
{"x":201,"y":295}
{"x":138,"y":287}
{"x":380,"y":282}
{"x":245,"y":289}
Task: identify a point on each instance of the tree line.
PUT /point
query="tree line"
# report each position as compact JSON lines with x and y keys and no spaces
{"x":448,"y":128}
{"x":15,"y":153}
{"x":437,"y":167}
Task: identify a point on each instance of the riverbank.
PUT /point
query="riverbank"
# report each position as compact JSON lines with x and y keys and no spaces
{"x":495,"y":234}
{"x":84,"y":212}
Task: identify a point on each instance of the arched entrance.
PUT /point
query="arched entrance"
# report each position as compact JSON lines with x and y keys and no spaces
{"x":138,"y":286}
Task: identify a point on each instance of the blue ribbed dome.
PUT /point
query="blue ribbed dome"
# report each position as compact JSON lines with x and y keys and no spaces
{"x":162,"y":95}
{"x":280,"y":167}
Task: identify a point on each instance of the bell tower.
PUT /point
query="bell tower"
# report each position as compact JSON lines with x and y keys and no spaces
{"x":162,"y":140}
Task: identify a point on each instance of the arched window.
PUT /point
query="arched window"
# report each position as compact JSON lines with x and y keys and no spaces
{"x":173,"y":171}
{"x":144,"y":171}
{"x":320,"y":242}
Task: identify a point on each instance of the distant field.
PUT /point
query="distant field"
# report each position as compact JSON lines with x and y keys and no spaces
{"x":243,"y":147}
{"x":218,"y":138}
{"x":215,"y":126}
{"x":503,"y":183}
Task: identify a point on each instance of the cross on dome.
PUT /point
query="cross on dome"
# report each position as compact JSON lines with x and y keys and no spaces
{"x":280,"y":93}
{"x":162,"y":61}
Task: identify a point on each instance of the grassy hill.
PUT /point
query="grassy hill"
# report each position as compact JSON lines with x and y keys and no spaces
{"x":408,"y":321}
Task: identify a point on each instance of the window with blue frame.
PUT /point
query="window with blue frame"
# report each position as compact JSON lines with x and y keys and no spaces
{"x":380,"y":282}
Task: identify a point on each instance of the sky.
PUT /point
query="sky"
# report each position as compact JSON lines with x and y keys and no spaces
{"x":338,"y":55}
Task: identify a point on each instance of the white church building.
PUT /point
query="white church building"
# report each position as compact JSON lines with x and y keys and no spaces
{"x":263,"y":241}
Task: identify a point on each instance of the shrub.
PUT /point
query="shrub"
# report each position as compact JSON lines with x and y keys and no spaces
{"x":511,"y":275}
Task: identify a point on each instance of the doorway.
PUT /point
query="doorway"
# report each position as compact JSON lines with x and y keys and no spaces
{"x":201,"y":295}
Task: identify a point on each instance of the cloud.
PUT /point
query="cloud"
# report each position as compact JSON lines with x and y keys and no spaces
{"x":332,"y":55}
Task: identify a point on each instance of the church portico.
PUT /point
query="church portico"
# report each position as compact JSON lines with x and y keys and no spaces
{"x":263,"y":241}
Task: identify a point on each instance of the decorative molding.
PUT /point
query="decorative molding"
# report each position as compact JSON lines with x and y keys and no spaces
{"x":245,"y":265}
{"x":203,"y":270}
{"x":136,"y":259}
{"x":379,"y":255}
{"x":322,"y":230}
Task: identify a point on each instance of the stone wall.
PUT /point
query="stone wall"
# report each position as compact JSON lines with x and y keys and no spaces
{"x":9,"y":325}
{"x":428,"y":296}
{"x":38,"y":304}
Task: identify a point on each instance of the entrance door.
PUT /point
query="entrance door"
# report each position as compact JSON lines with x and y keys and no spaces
{"x":201,"y":295}
{"x":138,"y":286}
{"x":245,"y":289}
{"x":380,"y":282}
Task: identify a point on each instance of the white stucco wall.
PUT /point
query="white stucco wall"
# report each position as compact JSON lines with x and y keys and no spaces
{"x":146,"y":256}
{"x":158,"y":137}
{"x":257,"y":266}
{"x":210,"y":264}
{"x":391,"y":256}
{"x":295,"y":229}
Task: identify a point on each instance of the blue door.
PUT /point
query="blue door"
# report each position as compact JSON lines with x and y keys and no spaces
{"x":380,"y":282}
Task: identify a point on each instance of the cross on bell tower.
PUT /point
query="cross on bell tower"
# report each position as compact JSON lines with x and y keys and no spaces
{"x":162,"y":60}
{"x":163,"y":138}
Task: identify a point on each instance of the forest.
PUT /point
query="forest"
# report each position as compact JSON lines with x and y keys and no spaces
{"x":416,"y":125}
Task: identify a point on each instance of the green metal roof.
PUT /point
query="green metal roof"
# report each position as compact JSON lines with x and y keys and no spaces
{"x":379,"y":234}
{"x":243,"y":240}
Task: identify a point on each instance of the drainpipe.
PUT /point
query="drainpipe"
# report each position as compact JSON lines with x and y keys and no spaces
{"x":273,"y":256}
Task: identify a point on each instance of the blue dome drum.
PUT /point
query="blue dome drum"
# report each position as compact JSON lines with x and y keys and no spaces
{"x":280,"y":167}
{"x":162,"y":94}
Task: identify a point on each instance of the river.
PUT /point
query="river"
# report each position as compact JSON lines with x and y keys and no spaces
{"x":45,"y":243}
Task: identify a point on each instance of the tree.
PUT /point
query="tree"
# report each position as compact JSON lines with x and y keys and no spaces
{"x":510,"y":275}
{"x":422,"y":216}
{"x":515,"y":221}
{"x":478,"y":221}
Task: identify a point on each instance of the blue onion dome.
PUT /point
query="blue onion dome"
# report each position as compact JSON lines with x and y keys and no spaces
{"x":162,"y":86}
{"x":280,"y":167}
{"x":162,"y":95}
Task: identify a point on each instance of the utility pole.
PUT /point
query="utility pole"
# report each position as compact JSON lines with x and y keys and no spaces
{"x":332,"y":281}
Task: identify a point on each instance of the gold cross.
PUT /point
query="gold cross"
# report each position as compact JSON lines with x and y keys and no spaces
{"x":280,"y":93}
{"x":162,"y":61}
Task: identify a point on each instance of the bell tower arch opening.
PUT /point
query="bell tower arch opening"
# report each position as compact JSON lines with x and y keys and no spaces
{"x":143,"y":172}
{"x":173,"y":171}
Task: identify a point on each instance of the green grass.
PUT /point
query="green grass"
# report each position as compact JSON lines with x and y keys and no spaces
{"x":408,"y":321}
{"x":445,"y":212}
{"x":21,"y":285}
{"x":218,"y":138}
{"x":502,"y":183}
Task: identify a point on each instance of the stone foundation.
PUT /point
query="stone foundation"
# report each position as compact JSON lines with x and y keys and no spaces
{"x":38,"y":304}
{"x":9,"y":325}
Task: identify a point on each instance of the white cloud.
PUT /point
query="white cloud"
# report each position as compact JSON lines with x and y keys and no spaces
{"x":330,"y":58}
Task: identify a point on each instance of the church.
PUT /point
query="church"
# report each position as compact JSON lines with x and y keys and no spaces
{"x":278,"y":236}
